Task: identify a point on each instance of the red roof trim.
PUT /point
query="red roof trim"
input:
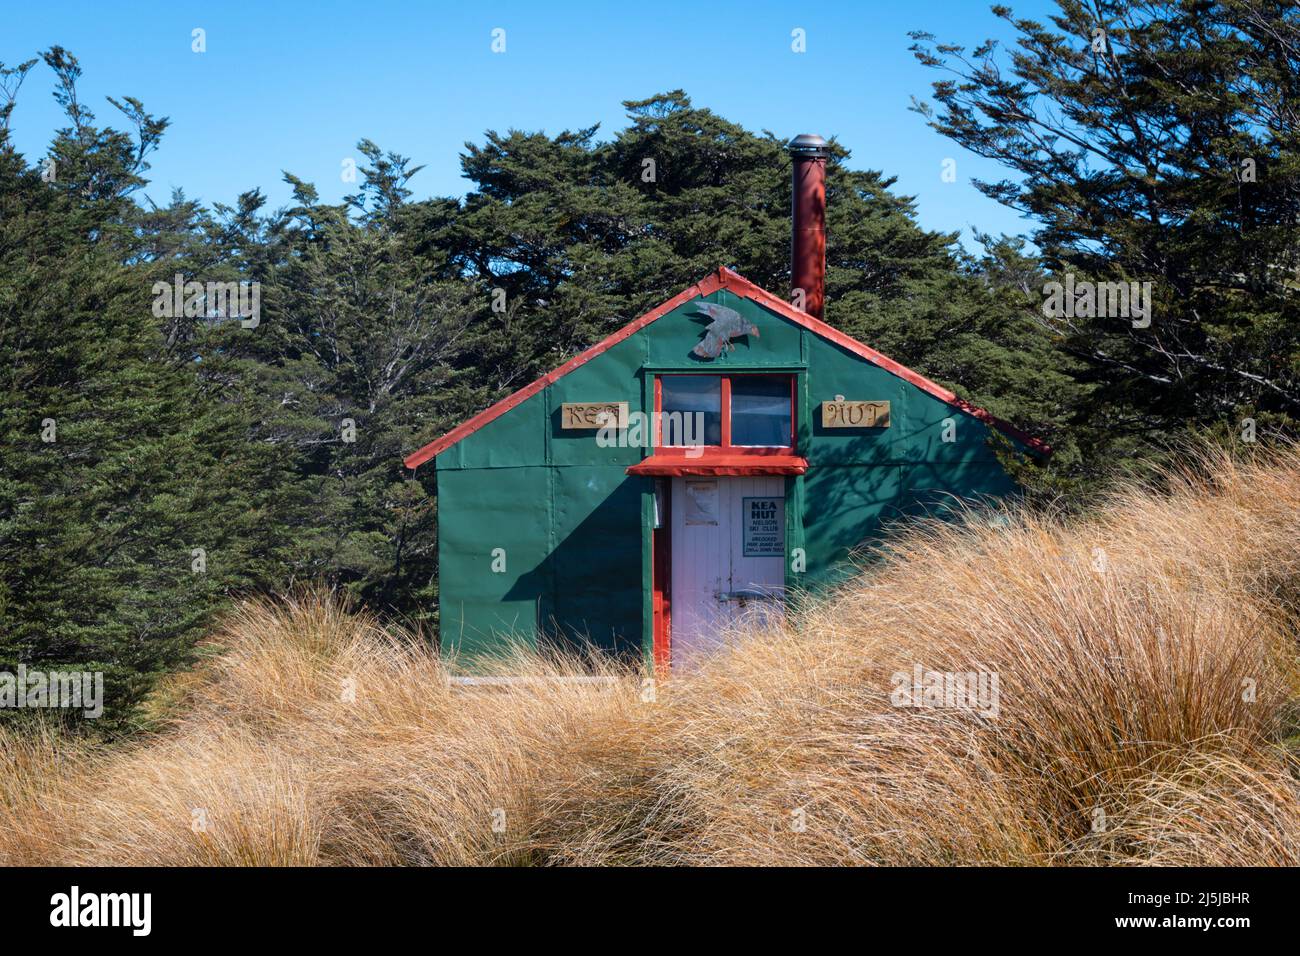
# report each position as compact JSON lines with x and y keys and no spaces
{"x":720,"y":463}
{"x":722,"y":279}
{"x":706,"y":286}
{"x":742,"y":286}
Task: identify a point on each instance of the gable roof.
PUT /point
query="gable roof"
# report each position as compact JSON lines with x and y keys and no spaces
{"x":734,"y":282}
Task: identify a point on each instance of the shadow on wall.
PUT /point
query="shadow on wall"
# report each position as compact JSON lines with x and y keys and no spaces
{"x":850,"y":508}
{"x":588,"y":589}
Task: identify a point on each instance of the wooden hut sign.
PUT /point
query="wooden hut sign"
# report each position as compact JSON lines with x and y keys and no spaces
{"x":575,"y":415}
{"x":842,"y":414}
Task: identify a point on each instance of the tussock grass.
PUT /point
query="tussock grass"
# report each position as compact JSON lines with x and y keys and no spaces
{"x":1146,"y":659}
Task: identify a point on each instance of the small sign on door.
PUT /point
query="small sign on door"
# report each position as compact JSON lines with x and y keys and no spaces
{"x":702,"y":502}
{"x":763,"y":524}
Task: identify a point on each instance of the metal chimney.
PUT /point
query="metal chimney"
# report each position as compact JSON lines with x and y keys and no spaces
{"x":808,"y":241}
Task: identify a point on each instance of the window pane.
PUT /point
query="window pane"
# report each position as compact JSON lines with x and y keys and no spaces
{"x":692,"y":406}
{"x":760,"y":410}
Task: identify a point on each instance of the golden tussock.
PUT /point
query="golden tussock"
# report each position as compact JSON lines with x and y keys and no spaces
{"x":1147,"y":685}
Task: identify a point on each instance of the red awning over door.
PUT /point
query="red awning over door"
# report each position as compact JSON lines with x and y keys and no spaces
{"x":720,"y":463}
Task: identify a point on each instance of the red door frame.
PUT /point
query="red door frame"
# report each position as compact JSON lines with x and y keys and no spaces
{"x":661,"y":580}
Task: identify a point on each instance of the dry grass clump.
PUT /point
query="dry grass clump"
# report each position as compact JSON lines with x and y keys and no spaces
{"x":1147,"y":685}
{"x":315,"y":737}
{"x":36,"y":765}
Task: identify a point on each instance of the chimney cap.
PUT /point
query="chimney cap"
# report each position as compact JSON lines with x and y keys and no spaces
{"x":809,"y":144}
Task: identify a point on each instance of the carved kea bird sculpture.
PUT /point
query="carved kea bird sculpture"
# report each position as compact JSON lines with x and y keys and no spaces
{"x":727,"y":324}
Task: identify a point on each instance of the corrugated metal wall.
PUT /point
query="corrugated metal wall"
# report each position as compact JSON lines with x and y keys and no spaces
{"x":573,"y":528}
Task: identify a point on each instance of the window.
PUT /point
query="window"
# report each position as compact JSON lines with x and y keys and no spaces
{"x":760,"y":410}
{"x":684,"y":397}
{"x":726,"y":411}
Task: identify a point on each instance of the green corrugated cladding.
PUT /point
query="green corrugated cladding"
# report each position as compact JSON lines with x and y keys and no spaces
{"x":574,"y":528}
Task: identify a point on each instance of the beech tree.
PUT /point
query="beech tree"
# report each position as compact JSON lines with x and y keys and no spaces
{"x":1152,"y":142}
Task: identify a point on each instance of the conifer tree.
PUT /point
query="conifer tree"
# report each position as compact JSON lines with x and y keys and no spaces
{"x":131,"y":503}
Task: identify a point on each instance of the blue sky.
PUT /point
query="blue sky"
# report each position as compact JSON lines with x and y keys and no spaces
{"x":293,"y":86}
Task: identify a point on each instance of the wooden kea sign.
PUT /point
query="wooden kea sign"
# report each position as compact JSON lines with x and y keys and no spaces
{"x":575,"y":415}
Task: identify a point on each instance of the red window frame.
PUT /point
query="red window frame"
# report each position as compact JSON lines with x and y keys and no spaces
{"x":725,"y":410}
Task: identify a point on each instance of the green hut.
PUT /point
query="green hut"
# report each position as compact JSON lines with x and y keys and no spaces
{"x":706,"y":460}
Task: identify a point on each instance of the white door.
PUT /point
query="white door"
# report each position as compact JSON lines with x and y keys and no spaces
{"x":728,"y":558}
